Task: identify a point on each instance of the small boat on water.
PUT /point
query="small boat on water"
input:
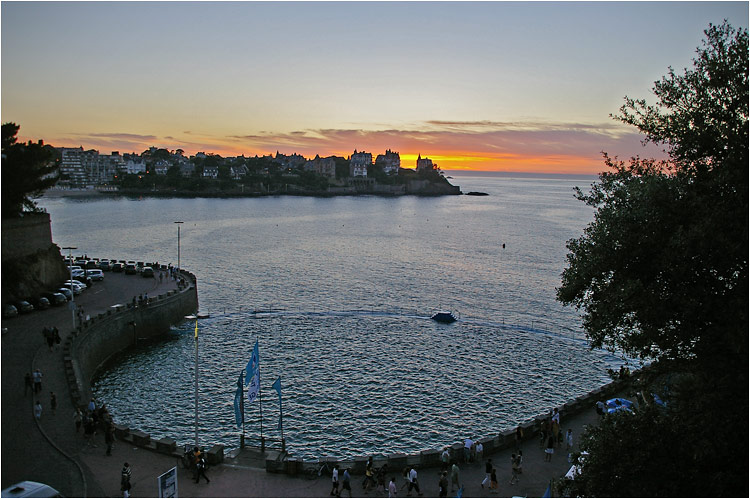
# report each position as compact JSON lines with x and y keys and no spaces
{"x":444,"y":316}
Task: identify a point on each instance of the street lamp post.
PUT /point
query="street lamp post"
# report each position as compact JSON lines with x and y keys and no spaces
{"x":178,"y":244}
{"x":73,"y":296}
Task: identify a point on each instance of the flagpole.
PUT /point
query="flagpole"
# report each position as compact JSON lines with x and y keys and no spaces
{"x":196,"y":382}
{"x":260,"y":404}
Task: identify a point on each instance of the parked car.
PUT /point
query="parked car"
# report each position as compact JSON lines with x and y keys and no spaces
{"x":55,"y":299}
{"x":95,"y":274}
{"x":76,"y":284}
{"x":104,"y":264}
{"x":139,"y":267}
{"x":147,"y":272}
{"x":41,"y":303}
{"x":65,"y":291}
{"x":9,"y":311}
{"x":118,"y":267}
{"x":30,"y":489}
{"x":92,"y":264}
{"x":130,"y":269}
{"x":78,"y":273}
{"x":23,"y":306}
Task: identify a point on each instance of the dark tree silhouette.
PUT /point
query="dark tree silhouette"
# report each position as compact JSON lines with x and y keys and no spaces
{"x":27,"y":171}
{"x":661,"y":273}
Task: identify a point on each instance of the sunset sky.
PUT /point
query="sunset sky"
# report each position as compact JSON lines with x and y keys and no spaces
{"x":512,"y":86}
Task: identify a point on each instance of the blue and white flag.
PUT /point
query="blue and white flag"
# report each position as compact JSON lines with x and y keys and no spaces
{"x":252,"y":375}
{"x":239,"y":404}
{"x":252,"y":365}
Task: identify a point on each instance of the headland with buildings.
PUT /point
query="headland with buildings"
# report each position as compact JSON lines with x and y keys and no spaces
{"x":163,"y":172}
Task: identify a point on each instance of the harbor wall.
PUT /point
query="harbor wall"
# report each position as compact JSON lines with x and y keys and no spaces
{"x":31,"y":262}
{"x":430,"y":458}
{"x":101,"y":337}
{"x":97,"y":340}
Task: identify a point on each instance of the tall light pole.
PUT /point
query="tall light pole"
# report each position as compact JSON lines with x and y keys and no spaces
{"x":178,"y":244}
{"x":73,"y":296}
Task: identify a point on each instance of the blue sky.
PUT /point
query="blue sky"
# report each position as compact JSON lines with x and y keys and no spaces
{"x":494,"y":85}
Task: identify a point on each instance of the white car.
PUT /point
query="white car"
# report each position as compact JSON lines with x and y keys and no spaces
{"x":95,"y":274}
{"x":76,"y":285}
{"x":30,"y":489}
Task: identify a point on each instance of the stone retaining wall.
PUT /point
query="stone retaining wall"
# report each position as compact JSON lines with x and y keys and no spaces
{"x":97,"y":340}
{"x":430,"y":458}
{"x":107,"y":334}
{"x":25,"y":235}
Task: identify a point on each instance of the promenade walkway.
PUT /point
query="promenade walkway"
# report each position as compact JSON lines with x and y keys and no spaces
{"x":45,"y":452}
{"x":52,"y":452}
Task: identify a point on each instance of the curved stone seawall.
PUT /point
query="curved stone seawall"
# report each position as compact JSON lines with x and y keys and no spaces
{"x":107,"y":334}
{"x":281,"y":463}
{"x":101,"y":337}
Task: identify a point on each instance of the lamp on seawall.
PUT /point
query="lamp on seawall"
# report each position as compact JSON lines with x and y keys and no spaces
{"x":72,"y":295}
{"x":178,"y":244}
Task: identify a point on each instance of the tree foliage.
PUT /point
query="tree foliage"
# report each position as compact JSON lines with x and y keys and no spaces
{"x":27,"y":171}
{"x":662,"y":270}
{"x":661,"y":273}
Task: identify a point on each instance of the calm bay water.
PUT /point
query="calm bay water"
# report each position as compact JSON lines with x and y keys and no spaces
{"x":350,"y":283}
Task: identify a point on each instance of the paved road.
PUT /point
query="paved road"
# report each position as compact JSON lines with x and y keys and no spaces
{"x":27,"y":453}
{"x":52,"y":452}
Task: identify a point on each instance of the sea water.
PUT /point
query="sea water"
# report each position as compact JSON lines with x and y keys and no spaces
{"x":338,"y":292}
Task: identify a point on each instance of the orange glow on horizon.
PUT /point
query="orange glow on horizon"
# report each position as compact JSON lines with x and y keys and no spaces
{"x":445,"y":160}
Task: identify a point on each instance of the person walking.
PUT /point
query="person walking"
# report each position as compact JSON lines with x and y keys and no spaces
{"x":556,"y":427}
{"x":445,"y":458}
{"x":443,"y":484}
{"x":514,"y":469}
{"x":480,"y":451}
{"x":27,"y":384}
{"x":125,"y":476}
{"x":493,"y":481}
{"x":454,"y":476}
{"x":109,"y":439}
{"x":487,"y":472}
{"x":392,"y":487}
{"x":78,"y":419}
{"x":413,"y":483}
{"x":550,"y":448}
{"x":335,"y":481}
{"x":346,"y":483}
{"x":467,"y":449}
{"x":49,"y":337}
{"x":201,"y":470}
{"x":569,"y":440}
{"x":37,"y":377}
{"x":38,"y":410}
{"x":369,"y":475}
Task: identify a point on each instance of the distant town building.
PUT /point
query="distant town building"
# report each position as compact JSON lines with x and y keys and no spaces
{"x":238,"y":172}
{"x":322,"y":166}
{"x":390,"y":162}
{"x":358,"y":163}
{"x":161,"y":167}
{"x":425,"y":164}
{"x":135,"y":165}
{"x":80,"y":168}
{"x":294,"y":161}
{"x":210,"y":171}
